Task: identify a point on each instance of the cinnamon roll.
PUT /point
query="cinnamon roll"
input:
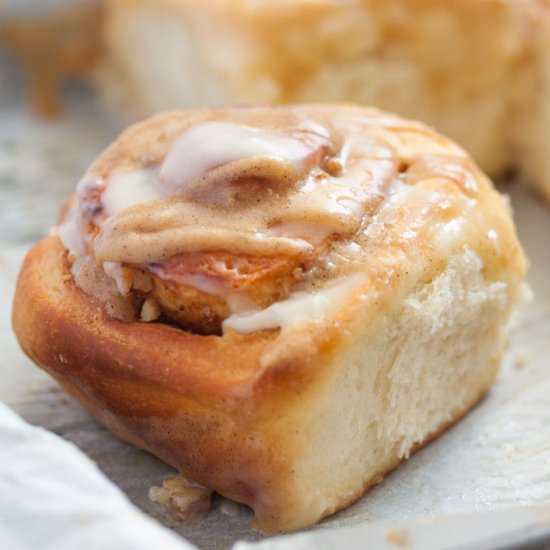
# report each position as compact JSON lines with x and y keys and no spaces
{"x":281,"y":302}
{"x":458,"y":65}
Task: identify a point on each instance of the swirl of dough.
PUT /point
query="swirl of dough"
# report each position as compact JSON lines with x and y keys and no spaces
{"x":225,"y":212}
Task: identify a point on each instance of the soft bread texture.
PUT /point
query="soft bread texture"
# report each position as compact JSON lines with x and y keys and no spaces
{"x":298,"y":421}
{"x":299,"y":438}
{"x":475,"y":70}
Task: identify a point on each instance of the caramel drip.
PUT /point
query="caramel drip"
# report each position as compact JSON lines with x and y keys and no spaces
{"x":64,"y":43}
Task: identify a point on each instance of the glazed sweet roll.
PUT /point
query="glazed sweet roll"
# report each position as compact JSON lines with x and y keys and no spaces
{"x":283,"y":303}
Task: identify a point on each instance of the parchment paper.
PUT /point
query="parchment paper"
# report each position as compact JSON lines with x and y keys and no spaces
{"x":53,"y":497}
{"x":497,"y":457}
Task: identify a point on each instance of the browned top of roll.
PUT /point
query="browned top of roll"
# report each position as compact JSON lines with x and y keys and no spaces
{"x":213,"y":214}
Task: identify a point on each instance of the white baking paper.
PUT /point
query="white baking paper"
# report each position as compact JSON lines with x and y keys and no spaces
{"x":53,"y":497}
{"x":490,"y":530}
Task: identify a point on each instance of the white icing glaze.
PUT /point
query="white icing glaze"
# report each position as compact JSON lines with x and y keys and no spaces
{"x":298,"y":194}
{"x":310,"y":232}
{"x":87,"y":183}
{"x":299,"y":308}
{"x":403,"y":194}
{"x":71,"y":234}
{"x":115,"y":272}
{"x":449,"y":234}
{"x":214,"y":144}
{"x":125,"y":189}
{"x":237,"y":301}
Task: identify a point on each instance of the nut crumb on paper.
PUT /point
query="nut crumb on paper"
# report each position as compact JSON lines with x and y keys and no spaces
{"x":185,"y":501}
{"x":399,"y":537}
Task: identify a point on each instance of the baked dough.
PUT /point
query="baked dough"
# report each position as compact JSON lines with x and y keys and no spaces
{"x":475,"y":70}
{"x":388,"y":330}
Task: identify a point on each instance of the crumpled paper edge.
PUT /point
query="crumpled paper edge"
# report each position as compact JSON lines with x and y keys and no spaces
{"x":513,"y":527}
{"x":53,"y":497}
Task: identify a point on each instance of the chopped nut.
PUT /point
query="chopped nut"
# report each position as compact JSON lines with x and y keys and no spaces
{"x":142,"y":282}
{"x":184,"y":500}
{"x":150,"y":311}
{"x":334,"y":166}
{"x":399,"y":537}
{"x":230,"y":507}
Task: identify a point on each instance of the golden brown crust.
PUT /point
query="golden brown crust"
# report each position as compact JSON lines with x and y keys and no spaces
{"x":198,"y":402}
{"x":52,"y":285}
{"x":203,"y":404}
